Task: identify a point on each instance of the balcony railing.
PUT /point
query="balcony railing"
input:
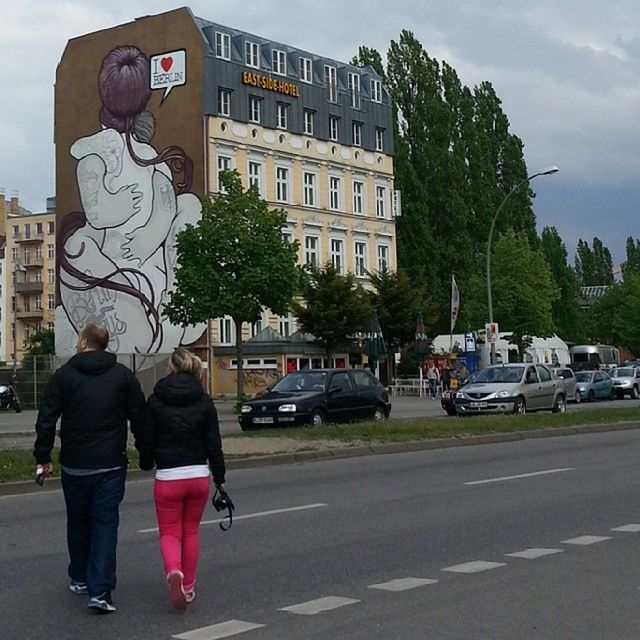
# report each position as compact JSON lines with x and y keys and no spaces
{"x":25,"y":314}
{"x":30,"y":237}
{"x":29,"y":287}
{"x":32,"y":261}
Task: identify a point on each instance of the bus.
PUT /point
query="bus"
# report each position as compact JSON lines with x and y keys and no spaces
{"x":592,"y":355}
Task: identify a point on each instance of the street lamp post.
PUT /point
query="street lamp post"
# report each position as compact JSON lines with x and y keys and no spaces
{"x":545,"y":172}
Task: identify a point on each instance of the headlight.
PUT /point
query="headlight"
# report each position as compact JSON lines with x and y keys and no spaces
{"x":246,"y":408}
{"x":502,"y":394}
{"x":459,"y":395}
{"x":287,"y":408}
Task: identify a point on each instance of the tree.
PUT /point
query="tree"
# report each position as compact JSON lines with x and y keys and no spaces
{"x":41,"y":343}
{"x":332,"y":309}
{"x":593,"y":266}
{"x":523,"y":289}
{"x":234,"y":262}
{"x":567,"y":316}
{"x":632,"y":263}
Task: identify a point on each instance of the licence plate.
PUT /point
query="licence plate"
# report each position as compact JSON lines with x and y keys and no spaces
{"x":263,"y":421}
{"x":478,"y":405}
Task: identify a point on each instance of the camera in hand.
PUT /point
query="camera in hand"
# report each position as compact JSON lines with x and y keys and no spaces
{"x":222,"y":501}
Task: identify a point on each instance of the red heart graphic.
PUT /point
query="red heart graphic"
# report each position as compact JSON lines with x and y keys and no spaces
{"x":166,"y":63}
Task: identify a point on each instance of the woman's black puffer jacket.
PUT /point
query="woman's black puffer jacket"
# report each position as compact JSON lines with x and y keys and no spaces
{"x":185,"y":426}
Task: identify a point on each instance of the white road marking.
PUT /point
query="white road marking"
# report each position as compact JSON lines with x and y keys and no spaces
{"x":402,"y":584}
{"x":519,"y":476}
{"x":474,"y":567}
{"x":258,"y":514}
{"x":629,"y":528}
{"x":532,"y":554}
{"x":313,"y":607}
{"x":221,"y":630}
{"x":585,"y":540}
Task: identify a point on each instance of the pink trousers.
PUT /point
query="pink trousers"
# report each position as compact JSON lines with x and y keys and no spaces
{"x":179,"y":507}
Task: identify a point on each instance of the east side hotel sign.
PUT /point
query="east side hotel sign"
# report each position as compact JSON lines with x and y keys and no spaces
{"x":271,"y":84}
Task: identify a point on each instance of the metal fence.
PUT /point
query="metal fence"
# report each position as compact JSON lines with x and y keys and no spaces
{"x":30,"y":377}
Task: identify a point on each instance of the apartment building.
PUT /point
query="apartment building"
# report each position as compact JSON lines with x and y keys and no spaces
{"x":313,"y":133}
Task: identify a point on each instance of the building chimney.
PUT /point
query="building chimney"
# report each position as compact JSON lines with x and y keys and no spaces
{"x":15,"y":203}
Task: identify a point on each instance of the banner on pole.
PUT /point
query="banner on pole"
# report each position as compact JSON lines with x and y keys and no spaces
{"x":455,"y":302}
{"x":491,"y":329}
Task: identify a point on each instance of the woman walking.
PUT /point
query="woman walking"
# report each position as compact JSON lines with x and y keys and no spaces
{"x":187,"y":448}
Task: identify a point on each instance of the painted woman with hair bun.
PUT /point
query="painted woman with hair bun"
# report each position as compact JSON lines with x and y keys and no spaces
{"x":116,"y":257}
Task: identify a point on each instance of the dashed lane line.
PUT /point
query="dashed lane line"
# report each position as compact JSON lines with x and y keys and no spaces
{"x":249,"y":516}
{"x":586,"y":540}
{"x":313,"y":607}
{"x":532,"y":554}
{"x":402,"y":584}
{"x":220,"y":630}
{"x":628,"y":528}
{"x":519,"y":476}
{"x":474,"y":567}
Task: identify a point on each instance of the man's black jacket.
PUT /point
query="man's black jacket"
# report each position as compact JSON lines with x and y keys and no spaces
{"x":185,"y":427}
{"x":95,"y":395}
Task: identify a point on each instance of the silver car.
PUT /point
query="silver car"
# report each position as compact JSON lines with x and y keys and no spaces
{"x":516,"y":388}
{"x":626,"y":381}
{"x":571,"y":388}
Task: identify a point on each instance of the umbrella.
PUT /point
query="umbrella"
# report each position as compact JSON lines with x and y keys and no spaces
{"x":374,"y":342}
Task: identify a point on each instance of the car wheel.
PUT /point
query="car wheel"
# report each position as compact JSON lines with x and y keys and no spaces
{"x":591,"y":396}
{"x":559,"y":405}
{"x":451,"y":412}
{"x":318,"y":418}
{"x":17,"y":407}
{"x":519,"y":406}
{"x":620,"y":395}
{"x":613,"y":395}
{"x":379,"y":414}
{"x":577,"y":397}
{"x":634,"y":393}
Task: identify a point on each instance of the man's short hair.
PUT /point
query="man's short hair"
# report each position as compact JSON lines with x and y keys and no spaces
{"x":96,"y":335}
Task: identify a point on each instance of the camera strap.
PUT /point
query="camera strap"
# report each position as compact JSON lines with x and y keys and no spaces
{"x":230,"y":508}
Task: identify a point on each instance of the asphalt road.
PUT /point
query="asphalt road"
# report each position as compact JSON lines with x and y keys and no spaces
{"x":16,"y":429}
{"x":421,"y":526}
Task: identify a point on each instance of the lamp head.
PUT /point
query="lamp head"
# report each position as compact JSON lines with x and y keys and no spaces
{"x":547,"y":171}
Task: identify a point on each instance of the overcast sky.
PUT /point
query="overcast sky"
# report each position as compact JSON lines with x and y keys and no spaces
{"x":567,"y":71}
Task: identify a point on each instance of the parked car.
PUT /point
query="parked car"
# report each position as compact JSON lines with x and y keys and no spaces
{"x":9,"y":398}
{"x":594,"y":385}
{"x":513,"y":388}
{"x":318,"y":396}
{"x":570,"y":384}
{"x":447,"y":401}
{"x":626,"y":381}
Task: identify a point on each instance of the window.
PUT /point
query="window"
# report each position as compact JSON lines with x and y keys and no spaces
{"x":223,"y":45}
{"x":545,"y":376}
{"x":283,"y":112}
{"x":286,"y":325}
{"x":308,"y":117}
{"x":256,"y":327}
{"x":39,"y":228}
{"x":14,"y":254}
{"x":51,"y":228}
{"x":255,"y":175}
{"x":333,"y":127}
{"x":224,"y":102}
{"x":381,"y":201}
{"x":306,"y":70}
{"x":358,"y":197}
{"x":360,"y":259}
{"x":38,"y":253}
{"x":282,"y":184}
{"x":38,"y":303}
{"x":37,"y":276}
{"x":309,"y":180}
{"x":26,"y":253}
{"x":224,"y":164}
{"x":335,"y":193}
{"x":383,"y":257}
{"x":356,"y":134}
{"x":337,"y":254}
{"x":50,"y":326}
{"x":255,"y":108}
{"x":330,"y":80}
{"x":51,"y":302}
{"x":252,"y":54}
{"x":287,"y":236}
{"x":226,"y":331}
{"x":379,"y":139}
{"x":376,"y":90}
{"x":27,"y":230}
{"x":363,"y":379}
{"x":279,"y":62}
{"x":312,"y":251}
{"x":50,"y":276}
{"x":16,"y":231}
{"x":342,"y":381}
{"x":354,"y":90}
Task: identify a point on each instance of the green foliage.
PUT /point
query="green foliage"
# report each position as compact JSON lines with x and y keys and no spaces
{"x":594,"y":266}
{"x":523,"y":289}
{"x":632,"y":263}
{"x":41,"y":343}
{"x":333,"y":307}
{"x":234,"y":262}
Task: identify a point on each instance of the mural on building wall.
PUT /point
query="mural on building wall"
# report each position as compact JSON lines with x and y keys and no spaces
{"x":116,"y":257}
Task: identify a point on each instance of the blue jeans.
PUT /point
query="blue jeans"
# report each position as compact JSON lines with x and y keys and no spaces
{"x":93,"y":516}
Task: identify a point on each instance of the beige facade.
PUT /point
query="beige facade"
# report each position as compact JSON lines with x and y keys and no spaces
{"x":28,"y":279}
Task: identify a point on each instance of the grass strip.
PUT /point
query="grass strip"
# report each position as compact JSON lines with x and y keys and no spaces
{"x":404,"y":430}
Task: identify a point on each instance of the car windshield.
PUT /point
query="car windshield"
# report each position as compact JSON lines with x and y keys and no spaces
{"x":500,"y":374}
{"x":301,"y":382}
{"x":624,"y":373}
{"x":584,"y":376}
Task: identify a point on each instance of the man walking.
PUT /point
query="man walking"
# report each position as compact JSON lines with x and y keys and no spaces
{"x":95,"y":395}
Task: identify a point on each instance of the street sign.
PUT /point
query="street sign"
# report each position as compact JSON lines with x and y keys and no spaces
{"x":469,"y":342}
{"x":491,"y":329}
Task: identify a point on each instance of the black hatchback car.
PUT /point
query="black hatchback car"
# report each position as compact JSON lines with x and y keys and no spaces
{"x":317,"y":396}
